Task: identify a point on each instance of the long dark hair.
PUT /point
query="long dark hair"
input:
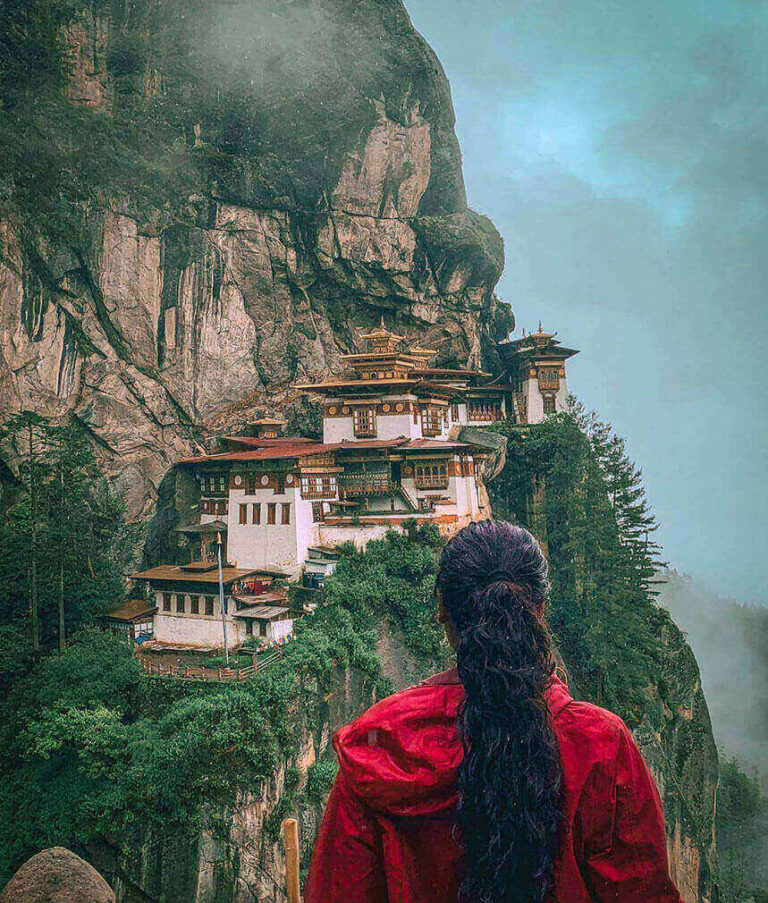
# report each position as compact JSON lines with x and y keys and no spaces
{"x":493,"y":584}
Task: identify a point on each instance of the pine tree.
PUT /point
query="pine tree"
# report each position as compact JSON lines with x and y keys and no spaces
{"x":64,"y":544}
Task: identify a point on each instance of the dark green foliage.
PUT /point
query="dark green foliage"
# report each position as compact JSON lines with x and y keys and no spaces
{"x":305,"y":418}
{"x":393,"y":580}
{"x":64,"y":544}
{"x":320,"y":778}
{"x":571,"y":483}
{"x":94,"y":750}
{"x":742,"y":834}
{"x":261,"y":100}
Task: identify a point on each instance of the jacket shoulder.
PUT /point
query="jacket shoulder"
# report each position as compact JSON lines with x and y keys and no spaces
{"x":590,"y":735}
{"x":420,"y":703}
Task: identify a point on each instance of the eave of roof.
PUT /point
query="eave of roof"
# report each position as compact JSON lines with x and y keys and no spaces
{"x":132,"y":609}
{"x":173,"y":573}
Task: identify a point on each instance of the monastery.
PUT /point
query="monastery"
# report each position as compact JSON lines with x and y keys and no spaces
{"x":400,"y":443}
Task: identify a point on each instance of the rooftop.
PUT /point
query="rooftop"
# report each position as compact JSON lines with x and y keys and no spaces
{"x":262,"y":612}
{"x":174,"y":572}
{"x":132,"y":610}
{"x":214,"y":526}
{"x":299,"y":450}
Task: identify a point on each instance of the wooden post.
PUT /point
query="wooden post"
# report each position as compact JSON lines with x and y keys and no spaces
{"x":291,"y":844}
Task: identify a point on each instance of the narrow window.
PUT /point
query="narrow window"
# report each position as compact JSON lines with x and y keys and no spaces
{"x":286,"y":513}
{"x":166,"y":601}
{"x":317,"y":512}
{"x":194,"y":605}
{"x":550,"y":406}
{"x":271,"y":509}
{"x":180,"y":601}
{"x":262,"y":628}
{"x":364,"y":422}
{"x":243,"y":514}
{"x":256,"y":512}
{"x":249,"y":627}
{"x":209,"y":605}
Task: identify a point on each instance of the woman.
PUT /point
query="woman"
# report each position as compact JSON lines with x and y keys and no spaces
{"x":489,"y":783}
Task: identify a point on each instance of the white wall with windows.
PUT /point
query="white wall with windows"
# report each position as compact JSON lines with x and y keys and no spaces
{"x":180,"y":620}
{"x":268,"y":528}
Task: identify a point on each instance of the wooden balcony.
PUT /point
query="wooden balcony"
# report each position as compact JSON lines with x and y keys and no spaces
{"x":365,"y":484}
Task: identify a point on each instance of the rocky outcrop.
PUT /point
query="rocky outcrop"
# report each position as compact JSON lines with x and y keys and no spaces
{"x":57,"y":876}
{"x":319,"y":188}
{"x":678,"y":744}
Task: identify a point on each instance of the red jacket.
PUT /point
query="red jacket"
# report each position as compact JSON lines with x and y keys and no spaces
{"x":388,"y":831}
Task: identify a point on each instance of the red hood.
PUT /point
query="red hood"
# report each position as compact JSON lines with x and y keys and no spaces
{"x":401,"y":757}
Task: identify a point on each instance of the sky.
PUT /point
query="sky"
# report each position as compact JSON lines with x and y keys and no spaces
{"x":621,"y":149}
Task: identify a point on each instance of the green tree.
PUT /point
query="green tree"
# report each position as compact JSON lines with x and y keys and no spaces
{"x":64,"y":543}
{"x":742,"y":836}
{"x":570,"y":481}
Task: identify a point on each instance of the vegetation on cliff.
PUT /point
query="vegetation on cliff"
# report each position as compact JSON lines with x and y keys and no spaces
{"x":95,"y":751}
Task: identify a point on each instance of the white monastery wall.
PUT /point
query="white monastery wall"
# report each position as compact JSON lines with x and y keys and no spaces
{"x":251,"y":545}
{"x":360,"y":534}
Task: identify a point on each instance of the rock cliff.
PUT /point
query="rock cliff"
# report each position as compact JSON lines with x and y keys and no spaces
{"x":241,"y":186}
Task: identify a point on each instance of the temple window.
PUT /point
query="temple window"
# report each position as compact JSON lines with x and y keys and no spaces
{"x":213,"y":483}
{"x":180,"y":602}
{"x":550,"y":405}
{"x":248,"y":627}
{"x":209,"y":605}
{"x":166,"y":601}
{"x":433,"y":475}
{"x":194,"y":605}
{"x":271,"y":511}
{"x":549,"y":378}
{"x":285,"y":513}
{"x":256,"y":512}
{"x":317,"y":512}
{"x":364,"y":422}
{"x":316,"y":486}
{"x":243,"y":514}
{"x":484,"y":410}
{"x":430,"y":420}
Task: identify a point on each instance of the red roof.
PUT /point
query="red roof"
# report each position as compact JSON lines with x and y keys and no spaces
{"x":254,"y":442}
{"x":298,"y":449}
{"x":292,"y":449}
{"x":435,"y":444}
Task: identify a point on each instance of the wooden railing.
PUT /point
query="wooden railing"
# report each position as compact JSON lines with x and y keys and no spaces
{"x":197,"y":672}
{"x":364,"y":484}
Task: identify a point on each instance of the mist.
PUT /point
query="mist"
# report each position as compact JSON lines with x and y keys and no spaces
{"x":730,"y":642}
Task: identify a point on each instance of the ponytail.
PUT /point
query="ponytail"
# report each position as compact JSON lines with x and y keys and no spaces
{"x":493,"y":584}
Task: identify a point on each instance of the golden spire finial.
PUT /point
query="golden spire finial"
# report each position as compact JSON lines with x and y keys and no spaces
{"x":383,"y":325}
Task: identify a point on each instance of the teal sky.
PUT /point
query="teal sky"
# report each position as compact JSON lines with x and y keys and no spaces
{"x":621,"y":148}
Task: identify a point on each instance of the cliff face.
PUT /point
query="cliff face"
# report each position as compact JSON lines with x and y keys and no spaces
{"x":265,"y":178}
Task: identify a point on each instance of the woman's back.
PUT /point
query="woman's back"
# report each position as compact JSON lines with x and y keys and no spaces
{"x":489,"y":784}
{"x":389,"y":830}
